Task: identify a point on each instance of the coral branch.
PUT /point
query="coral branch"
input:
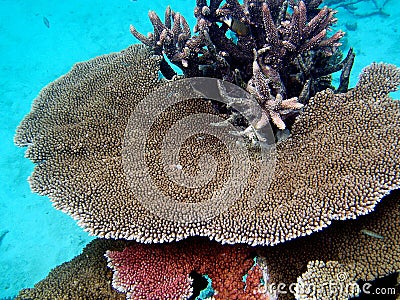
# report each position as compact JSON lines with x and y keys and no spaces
{"x":293,"y":50}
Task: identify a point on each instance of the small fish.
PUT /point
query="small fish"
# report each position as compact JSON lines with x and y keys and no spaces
{"x":46,"y":22}
{"x":3,"y":234}
{"x":371,"y":233}
{"x":236,"y":26}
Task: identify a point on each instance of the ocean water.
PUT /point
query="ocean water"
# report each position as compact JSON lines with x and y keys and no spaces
{"x":40,"y":41}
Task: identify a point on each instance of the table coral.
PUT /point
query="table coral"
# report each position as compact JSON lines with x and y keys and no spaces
{"x":340,"y":160}
{"x":335,"y":165}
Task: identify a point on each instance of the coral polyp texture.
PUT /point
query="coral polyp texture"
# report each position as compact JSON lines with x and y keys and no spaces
{"x":319,"y":274}
{"x":342,"y":255}
{"x":156,"y":271}
{"x":84,"y":277}
{"x":145,"y":271}
{"x":334,"y":166}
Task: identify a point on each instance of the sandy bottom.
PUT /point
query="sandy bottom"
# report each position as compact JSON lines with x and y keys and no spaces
{"x":36,"y":237}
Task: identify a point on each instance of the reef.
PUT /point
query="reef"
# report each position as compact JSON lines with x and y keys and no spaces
{"x":341,"y":255}
{"x":330,"y":208}
{"x":78,"y":147}
{"x":79,"y":164}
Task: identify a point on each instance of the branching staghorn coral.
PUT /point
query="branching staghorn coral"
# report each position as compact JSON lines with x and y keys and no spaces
{"x":275,"y":107}
{"x":170,"y":38}
{"x":293,"y":50}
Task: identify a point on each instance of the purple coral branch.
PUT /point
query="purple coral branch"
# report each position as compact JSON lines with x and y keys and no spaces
{"x":279,"y":38}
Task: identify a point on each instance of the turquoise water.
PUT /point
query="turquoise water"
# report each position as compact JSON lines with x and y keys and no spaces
{"x":34,"y":237}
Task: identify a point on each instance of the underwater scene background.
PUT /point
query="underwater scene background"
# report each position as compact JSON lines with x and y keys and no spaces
{"x":41,"y":40}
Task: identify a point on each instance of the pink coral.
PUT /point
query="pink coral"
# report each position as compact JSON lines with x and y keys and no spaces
{"x":161,"y":271}
{"x":140,"y":272}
